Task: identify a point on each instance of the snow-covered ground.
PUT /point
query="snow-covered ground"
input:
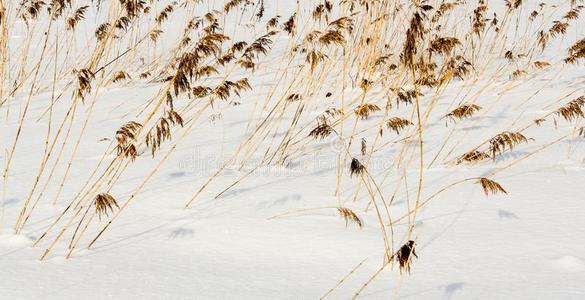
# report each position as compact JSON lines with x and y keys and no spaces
{"x":277,"y":234}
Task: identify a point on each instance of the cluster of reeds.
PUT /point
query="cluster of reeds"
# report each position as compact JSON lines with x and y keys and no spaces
{"x":360,"y":66}
{"x":184,"y":74}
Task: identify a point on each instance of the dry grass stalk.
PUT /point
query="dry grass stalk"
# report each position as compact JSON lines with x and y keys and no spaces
{"x":428,"y":59}
{"x":414,"y":33}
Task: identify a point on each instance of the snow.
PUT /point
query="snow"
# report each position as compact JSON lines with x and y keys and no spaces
{"x":277,"y":234}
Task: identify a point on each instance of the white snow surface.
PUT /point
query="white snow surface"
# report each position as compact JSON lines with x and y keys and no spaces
{"x":529,"y":244}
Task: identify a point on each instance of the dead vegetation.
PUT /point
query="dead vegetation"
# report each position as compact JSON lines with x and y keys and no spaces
{"x":491,"y":187}
{"x":349,"y":69}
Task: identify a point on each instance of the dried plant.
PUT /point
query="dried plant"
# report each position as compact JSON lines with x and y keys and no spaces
{"x":332,"y":37}
{"x":572,"y":110}
{"x":122,"y":23}
{"x":513,"y":4}
{"x":533,"y":15}
{"x":78,"y":15}
{"x":479,"y":20}
{"x":164,"y":14}
{"x":541,"y":64}
{"x":84,"y":78}
{"x":327,"y":52}
{"x":342,"y":23}
{"x":577,"y":46}
{"x":322,"y":130}
{"x":576,"y":52}
{"x":505,"y":141}
{"x":332,"y":112}
{"x":463,"y":112}
{"x":230,"y":5}
{"x":356,"y":168}
{"x":472,"y":156}
{"x":405,"y":255}
{"x":491,"y":187}
{"x":30,"y":10}
{"x":126,"y":137}
{"x":322,"y":11}
{"x":442,"y":10}
{"x":414,"y":33}
{"x":364,"y":110}
{"x":225,"y":89}
{"x":294,"y":97}
{"x":155,"y":34}
{"x":133,"y":8}
{"x":290,"y":25}
{"x":444,"y":45}
{"x":349,"y":215}
{"x":272,"y":23}
{"x":120,"y":75}
{"x":260,"y":46}
{"x":398,"y":124}
{"x":559,"y":27}
{"x":407,"y":96}
{"x":162,"y":131}
{"x":518,"y":73}
{"x":201,"y":91}
{"x":573,"y":14}
{"x":543,"y":38}
{"x":57,"y":7}
{"x":102,"y":31}
{"x":104,"y":202}
{"x":509,"y":55}
{"x":314,"y":58}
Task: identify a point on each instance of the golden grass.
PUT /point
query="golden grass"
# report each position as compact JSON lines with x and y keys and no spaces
{"x":353,"y":64}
